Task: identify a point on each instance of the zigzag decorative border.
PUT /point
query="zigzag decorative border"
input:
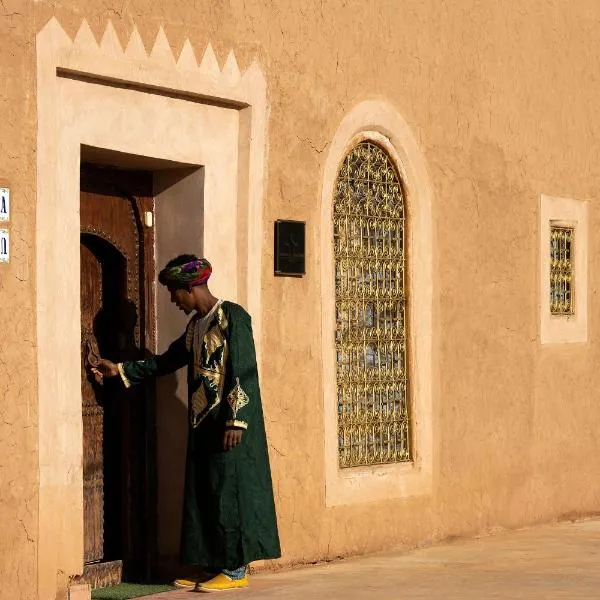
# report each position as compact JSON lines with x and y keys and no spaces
{"x":84,"y":54}
{"x":160,"y":54}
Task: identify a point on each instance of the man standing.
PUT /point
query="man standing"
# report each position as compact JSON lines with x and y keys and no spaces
{"x":228,"y":513}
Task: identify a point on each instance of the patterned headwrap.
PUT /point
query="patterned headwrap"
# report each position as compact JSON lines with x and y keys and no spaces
{"x":189,"y":274}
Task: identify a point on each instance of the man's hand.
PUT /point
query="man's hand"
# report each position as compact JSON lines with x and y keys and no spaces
{"x":232,"y":437}
{"x":104,"y":368}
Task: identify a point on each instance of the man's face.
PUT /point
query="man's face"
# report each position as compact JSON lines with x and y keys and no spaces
{"x":183,"y":299}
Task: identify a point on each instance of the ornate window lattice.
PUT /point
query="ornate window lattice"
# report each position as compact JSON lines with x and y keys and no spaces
{"x":368,"y":225}
{"x":561,"y":270}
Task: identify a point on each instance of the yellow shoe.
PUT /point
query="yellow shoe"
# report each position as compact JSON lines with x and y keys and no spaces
{"x":222,"y":583}
{"x":185,"y":584}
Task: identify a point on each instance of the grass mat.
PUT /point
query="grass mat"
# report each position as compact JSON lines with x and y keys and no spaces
{"x":124,"y":591}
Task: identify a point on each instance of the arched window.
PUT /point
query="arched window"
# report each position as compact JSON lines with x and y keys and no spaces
{"x":370,"y":307}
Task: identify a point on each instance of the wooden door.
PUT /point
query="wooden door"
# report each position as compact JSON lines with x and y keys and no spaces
{"x":117,"y":313}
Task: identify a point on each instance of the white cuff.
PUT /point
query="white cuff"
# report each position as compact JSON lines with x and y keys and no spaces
{"x":126,"y":381}
{"x":235,"y":423}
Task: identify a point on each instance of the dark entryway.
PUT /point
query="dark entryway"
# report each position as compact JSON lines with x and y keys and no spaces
{"x":117,"y":317}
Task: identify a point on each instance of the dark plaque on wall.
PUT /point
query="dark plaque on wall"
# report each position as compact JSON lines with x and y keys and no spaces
{"x":290,"y":248}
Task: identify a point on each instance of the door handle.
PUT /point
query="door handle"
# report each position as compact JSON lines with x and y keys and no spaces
{"x":91,"y":351}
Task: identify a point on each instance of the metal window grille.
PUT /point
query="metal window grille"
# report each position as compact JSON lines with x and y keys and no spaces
{"x":368,"y":224}
{"x":561,"y":270}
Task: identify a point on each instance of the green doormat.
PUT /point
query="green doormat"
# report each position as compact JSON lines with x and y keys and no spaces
{"x":124,"y":591}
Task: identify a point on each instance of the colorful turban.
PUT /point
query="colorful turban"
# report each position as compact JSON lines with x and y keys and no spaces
{"x":189,"y":274}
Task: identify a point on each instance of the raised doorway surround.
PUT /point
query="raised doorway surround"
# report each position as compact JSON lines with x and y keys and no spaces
{"x":145,"y":104}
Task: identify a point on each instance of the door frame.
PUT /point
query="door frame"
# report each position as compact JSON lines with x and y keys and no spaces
{"x":86,"y":92}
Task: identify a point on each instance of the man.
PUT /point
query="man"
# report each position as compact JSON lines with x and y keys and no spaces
{"x":228,"y":513}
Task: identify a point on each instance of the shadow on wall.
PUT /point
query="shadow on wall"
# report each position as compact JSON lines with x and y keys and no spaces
{"x":179,"y":211}
{"x":172,"y":433}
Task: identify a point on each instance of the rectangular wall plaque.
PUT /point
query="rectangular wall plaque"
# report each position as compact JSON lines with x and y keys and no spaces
{"x":4,"y":246}
{"x":290,"y":259}
{"x":4,"y":204}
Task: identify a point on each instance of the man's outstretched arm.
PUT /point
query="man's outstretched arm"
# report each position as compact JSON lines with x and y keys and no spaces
{"x":134,"y":372}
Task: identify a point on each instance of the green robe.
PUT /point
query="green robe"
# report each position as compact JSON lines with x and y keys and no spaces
{"x":229,"y":512}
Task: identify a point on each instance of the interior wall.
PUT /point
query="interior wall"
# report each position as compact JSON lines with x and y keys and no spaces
{"x":179,"y":214}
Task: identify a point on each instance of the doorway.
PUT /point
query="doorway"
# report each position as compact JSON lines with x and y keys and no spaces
{"x":117,"y":322}
{"x":142,"y":106}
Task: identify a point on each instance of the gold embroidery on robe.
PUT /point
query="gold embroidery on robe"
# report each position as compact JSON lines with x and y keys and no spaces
{"x":237,"y":398}
{"x":126,"y":381}
{"x":213,"y":340}
{"x":222,"y":319}
{"x":236,"y":423}
{"x":208,"y":366}
{"x":199,"y":403}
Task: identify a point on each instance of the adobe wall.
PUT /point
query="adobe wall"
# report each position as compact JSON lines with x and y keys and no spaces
{"x":18,"y":405}
{"x":503,"y":106}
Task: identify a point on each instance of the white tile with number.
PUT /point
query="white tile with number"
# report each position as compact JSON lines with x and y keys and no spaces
{"x":4,"y":246}
{"x":4,"y":204}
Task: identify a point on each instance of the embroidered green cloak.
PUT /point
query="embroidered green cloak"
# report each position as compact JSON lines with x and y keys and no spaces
{"x":229,"y":513}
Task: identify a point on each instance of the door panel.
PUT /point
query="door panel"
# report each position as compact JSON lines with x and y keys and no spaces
{"x":93,"y":414}
{"x":116,"y":310}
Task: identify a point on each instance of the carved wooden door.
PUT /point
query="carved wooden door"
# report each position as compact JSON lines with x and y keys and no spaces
{"x":117,"y":311}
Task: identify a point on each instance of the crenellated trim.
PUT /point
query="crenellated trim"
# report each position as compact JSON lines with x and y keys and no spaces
{"x":112,"y":62}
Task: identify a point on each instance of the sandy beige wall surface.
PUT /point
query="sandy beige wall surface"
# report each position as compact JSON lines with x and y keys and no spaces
{"x":18,"y":406}
{"x":503,"y":103}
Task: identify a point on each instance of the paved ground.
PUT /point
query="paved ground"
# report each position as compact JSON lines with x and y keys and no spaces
{"x":542,"y":563}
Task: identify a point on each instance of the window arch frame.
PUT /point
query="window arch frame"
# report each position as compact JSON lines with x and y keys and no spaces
{"x":379,"y":122}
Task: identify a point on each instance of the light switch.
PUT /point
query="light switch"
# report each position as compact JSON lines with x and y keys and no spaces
{"x":148,"y":219}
